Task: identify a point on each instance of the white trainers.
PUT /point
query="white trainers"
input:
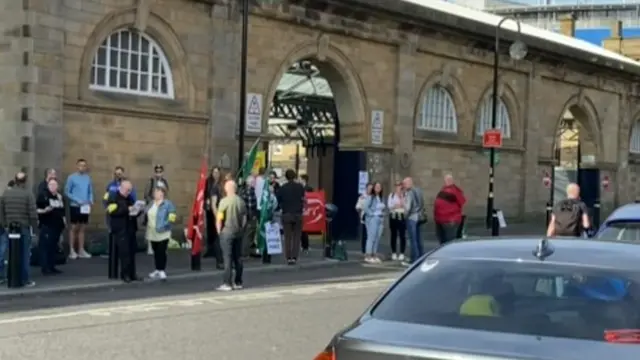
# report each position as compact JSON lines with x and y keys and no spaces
{"x":73,"y":255}
{"x":394,"y":256}
{"x":154,"y":274}
{"x":401,"y":257}
{"x":83,"y":254}
{"x":162,"y":275}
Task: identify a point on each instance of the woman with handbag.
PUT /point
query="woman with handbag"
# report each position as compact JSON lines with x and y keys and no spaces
{"x":397,"y":223}
{"x":160,"y":217}
{"x":374,"y":211}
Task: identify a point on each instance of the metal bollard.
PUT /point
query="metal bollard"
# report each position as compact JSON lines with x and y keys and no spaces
{"x":14,"y":268}
{"x":495,"y":223}
{"x":596,"y":215}
{"x":549,"y":210}
{"x":113,"y":258}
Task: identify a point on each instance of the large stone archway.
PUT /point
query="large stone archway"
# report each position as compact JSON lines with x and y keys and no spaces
{"x":582,"y":112}
{"x":348,"y":92}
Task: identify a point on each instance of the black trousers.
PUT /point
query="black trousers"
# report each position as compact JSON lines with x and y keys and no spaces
{"x":160,"y":254}
{"x":446,"y":232}
{"x":398,"y":227}
{"x":213,"y":240}
{"x":232,"y":255}
{"x":363,"y":238}
{"x":48,"y":247}
{"x":127,"y":247}
{"x":304,"y":241}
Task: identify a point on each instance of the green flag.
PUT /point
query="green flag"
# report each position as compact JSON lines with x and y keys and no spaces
{"x":266,"y":214}
{"x":247,"y":165}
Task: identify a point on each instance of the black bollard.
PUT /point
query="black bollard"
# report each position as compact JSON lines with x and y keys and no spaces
{"x":196,"y":261}
{"x":14,"y":269}
{"x":495,"y":223}
{"x":113,"y":258}
{"x":548,"y":217}
{"x":596,"y":215}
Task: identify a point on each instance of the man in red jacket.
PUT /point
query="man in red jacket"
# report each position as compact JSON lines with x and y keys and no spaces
{"x":447,"y":210}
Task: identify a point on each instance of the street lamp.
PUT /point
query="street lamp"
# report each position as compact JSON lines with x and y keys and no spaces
{"x":517,"y":51}
{"x":243,"y":81}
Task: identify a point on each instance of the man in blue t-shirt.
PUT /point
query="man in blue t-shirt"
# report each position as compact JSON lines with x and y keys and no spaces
{"x":79,"y":190}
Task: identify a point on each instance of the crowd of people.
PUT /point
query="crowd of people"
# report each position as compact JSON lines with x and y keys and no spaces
{"x":405,"y":210}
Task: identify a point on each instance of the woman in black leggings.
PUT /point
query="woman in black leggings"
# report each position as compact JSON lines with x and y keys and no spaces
{"x":359,"y":204}
{"x":397,"y":223}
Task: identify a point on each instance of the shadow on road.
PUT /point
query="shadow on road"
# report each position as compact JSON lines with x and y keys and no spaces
{"x":194,"y":287}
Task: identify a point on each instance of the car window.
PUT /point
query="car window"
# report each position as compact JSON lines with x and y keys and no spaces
{"x":535,"y":298}
{"x":621,"y":231}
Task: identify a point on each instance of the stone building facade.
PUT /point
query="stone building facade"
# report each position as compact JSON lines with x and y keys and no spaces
{"x":64,"y":97}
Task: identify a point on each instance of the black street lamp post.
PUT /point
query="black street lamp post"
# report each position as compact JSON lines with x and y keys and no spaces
{"x":243,"y":81}
{"x":517,"y":51}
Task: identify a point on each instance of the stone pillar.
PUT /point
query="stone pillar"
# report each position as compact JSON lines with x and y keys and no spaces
{"x":15,"y":127}
{"x":225,"y":83}
{"x":533,"y":192}
{"x":406,"y":89}
{"x":46,"y":89}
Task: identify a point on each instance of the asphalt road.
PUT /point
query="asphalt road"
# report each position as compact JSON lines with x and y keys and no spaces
{"x":286,"y":315}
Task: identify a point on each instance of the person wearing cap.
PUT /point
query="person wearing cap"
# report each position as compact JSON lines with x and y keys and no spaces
{"x":157,"y":179}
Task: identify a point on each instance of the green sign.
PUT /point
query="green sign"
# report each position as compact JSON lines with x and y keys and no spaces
{"x":497,"y":158}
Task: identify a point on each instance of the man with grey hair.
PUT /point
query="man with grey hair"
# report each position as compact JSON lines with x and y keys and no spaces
{"x":570,"y":217}
{"x":249,"y":197}
{"x":414,"y":208}
{"x":231,"y":220}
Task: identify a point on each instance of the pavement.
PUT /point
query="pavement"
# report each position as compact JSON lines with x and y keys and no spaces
{"x":90,"y":274}
{"x":288,"y":315}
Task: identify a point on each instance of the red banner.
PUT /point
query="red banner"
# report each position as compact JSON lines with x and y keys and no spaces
{"x":195,"y":226}
{"x":314,"y":217}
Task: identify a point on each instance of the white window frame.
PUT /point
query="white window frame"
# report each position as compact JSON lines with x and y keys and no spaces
{"x":154,"y":52}
{"x":438,"y":112}
{"x":503,"y":119}
{"x":634,"y":139}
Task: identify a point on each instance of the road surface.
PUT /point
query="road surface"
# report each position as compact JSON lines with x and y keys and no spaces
{"x":282,"y":316}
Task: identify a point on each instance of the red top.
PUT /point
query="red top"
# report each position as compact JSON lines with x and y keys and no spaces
{"x":447,"y":207}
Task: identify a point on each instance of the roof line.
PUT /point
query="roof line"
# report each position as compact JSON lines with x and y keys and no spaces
{"x":490,"y":19}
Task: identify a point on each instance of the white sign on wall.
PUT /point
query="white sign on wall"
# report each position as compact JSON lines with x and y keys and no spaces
{"x":377,"y":125}
{"x":253,"y":113}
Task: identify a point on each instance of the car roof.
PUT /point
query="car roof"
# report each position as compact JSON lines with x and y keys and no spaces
{"x":570,"y":251}
{"x":629,"y":211}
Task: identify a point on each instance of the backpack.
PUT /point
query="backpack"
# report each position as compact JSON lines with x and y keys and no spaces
{"x":568,"y":218}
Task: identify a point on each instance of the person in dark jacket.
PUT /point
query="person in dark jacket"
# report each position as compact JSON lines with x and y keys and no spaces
{"x":42,"y":186}
{"x":4,"y":242}
{"x":304,"y":238}
{"x":291,"y":201}
{"x":213,"y":193}
{"x":18,"y":209}
{"x":447,"y":210}
{"x":119,"y":207}
{"x":51,"y":217}
{"x":157,"y":180}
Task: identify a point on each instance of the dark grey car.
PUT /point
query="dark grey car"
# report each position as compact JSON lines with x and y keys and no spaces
{"x":507,"y":299}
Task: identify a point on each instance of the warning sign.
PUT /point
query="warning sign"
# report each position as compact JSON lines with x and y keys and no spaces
{"x":254,"y":113}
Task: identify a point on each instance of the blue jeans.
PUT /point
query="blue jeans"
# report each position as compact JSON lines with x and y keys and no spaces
{"x":415,"y":242}
{"x":4,"y":245}
{"x":374,"y":233}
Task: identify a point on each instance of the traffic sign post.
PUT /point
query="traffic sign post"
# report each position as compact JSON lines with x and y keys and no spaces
{"x":496,"y":160}
{"x":492,"y":138}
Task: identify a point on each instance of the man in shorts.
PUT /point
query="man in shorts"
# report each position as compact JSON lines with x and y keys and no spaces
{"x":79,"y":190}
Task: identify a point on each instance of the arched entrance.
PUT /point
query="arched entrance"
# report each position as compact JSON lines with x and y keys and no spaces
{"x":576,"y":154}
{"x":314,"y":128}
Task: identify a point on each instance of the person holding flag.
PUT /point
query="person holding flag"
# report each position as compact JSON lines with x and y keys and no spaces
{"x":195,"y":226}
{"x":267,"y":205}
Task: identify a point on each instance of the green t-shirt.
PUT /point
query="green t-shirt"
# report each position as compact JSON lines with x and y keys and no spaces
{"x":232,"y":211}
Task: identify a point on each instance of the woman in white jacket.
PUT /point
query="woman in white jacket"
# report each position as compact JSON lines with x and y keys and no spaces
{"x":359,"y":207}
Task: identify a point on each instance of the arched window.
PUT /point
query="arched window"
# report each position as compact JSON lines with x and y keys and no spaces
{"x":634,"y":142}
{"x":132,"y":63}
{"x":503,"y":121}
{"x":438,"y":112}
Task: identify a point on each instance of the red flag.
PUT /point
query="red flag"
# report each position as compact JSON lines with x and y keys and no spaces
{"x":195,"y":228}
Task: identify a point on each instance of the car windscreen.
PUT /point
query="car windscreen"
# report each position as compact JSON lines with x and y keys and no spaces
{"x":519,"y":297}
{"x":623,"y":230}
